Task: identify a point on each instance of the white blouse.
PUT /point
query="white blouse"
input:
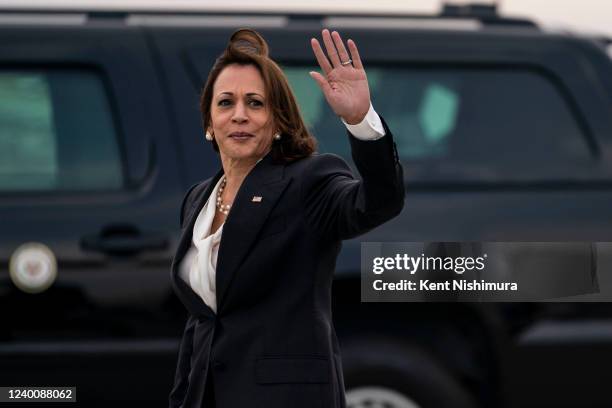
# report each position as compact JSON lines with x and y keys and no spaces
{"x":198,"y":267}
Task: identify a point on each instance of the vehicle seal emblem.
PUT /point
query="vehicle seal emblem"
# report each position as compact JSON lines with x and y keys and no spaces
{"x":33,"y":267}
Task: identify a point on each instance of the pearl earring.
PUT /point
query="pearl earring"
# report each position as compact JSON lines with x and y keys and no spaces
{"x":277,"y":136}
{"x":209,"y":137}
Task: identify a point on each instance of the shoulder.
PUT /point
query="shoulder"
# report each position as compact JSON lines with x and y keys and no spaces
{"x":318,"y":173}
{"x":317,"y":165}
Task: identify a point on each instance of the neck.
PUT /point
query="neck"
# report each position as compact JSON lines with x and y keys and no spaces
{"x":235,"y":171}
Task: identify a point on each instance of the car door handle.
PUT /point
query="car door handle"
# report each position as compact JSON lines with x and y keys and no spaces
{"x":124,"y":239}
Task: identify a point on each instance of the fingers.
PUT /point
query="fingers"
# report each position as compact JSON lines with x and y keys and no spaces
{"x":336,"y":52}
{"x":331,"y":49}
{"x":320,"y":55}
{"x":342,"y":53}
{"x":355,"y":54}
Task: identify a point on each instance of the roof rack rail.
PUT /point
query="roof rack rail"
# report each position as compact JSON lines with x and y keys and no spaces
{"x":605,"y":42}
{"x":465,"y":16}
{"x":485,"y":13}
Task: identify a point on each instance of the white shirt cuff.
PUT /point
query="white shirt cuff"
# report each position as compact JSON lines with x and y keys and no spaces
{"x":370,"y":128}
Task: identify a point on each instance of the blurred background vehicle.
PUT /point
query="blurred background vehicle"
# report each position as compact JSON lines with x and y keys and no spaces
{"x":504,"y":131}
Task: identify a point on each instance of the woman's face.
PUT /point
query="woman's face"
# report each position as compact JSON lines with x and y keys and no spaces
{"x":240,"y":114}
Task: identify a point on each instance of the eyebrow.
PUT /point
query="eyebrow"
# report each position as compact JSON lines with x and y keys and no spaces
{"x":248,"y":94}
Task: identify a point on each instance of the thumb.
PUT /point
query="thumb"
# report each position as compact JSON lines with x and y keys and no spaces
{"x":321,"y":81}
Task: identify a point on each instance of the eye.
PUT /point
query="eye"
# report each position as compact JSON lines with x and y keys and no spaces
{"x":224,"y":102}
{"x":255,"y":103}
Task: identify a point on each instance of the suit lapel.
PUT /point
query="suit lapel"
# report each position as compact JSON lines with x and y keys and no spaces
{"x":192,"y":215}
{"x":255,"y":199}
{"x":191,"y":300}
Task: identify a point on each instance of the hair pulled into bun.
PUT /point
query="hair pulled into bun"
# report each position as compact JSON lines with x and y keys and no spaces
{"x":247,"y":41}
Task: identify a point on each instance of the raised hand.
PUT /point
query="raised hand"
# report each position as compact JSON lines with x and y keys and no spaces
{"x":344,"y":82}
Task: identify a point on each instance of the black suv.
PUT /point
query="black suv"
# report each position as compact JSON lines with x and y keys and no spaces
{"x":504,"y":131}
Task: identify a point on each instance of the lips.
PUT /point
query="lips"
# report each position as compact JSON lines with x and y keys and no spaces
{"x":241,"y":135}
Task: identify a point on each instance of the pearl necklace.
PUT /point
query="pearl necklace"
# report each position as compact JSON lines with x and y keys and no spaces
{"x":223,"y":208}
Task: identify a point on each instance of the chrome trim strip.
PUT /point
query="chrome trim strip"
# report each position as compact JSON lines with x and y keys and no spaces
{"x":42,"y":19}
{"x":171,"y":20}
{"x":403,"y":23}
{"x":91,"y":347}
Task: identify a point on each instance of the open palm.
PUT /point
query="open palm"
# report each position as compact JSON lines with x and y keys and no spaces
{"x":345,"y":86}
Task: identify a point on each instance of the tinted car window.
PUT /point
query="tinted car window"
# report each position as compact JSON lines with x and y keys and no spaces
{"x":463,"y":125}
{"x":56,"y":132}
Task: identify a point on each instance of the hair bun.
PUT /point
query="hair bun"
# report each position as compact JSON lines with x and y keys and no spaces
{"x":248,"y":41}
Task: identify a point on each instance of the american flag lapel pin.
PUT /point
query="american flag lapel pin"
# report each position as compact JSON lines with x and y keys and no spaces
{"x":256,"y":199}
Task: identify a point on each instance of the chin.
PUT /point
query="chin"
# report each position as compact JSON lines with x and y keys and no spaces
{"x":239,"y":154}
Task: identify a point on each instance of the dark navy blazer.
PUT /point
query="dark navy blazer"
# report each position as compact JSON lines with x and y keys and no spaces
{"x":271,"y":343}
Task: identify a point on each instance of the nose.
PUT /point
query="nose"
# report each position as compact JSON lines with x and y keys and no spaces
{"x":240,"y":114}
